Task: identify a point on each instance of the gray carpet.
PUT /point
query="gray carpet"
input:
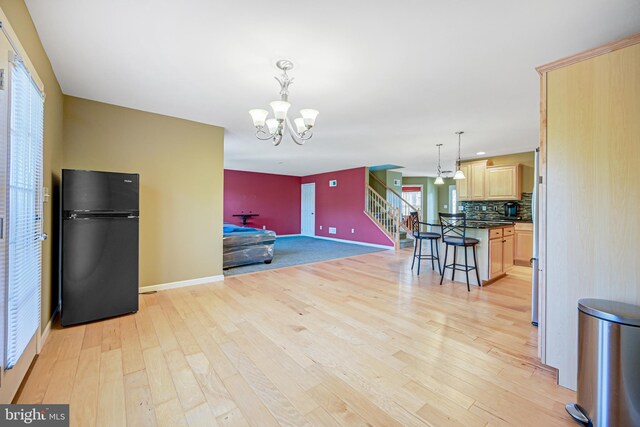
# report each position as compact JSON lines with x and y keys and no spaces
{"x":296,"y":250}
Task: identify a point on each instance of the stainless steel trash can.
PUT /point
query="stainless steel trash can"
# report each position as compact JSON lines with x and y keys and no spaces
{"x":608,"y":364}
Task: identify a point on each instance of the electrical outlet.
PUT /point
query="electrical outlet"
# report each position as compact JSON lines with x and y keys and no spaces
{"x":332,"y":230}
{"x":476,"y":208}
{"x":264,"y":227}
{"x":446,"y":207}
{"x":461,"y":208}
{"x":353,"y":230}
{"x":320,"y":227}
{"x":484,"y":208}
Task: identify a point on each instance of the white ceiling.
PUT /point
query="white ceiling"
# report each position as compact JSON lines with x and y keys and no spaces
{"x":391,"y":78}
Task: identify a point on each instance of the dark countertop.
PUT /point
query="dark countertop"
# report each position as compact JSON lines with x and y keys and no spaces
{"x":478,"y":224}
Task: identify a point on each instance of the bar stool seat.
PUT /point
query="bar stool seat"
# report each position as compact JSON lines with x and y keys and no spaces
{"x":457,"y":241}
{"x":419,"y":236}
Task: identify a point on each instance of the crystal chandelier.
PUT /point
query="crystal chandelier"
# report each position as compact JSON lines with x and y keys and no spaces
{"x":459,"y":174}
{"x":275,"y":127}
{"x":439,"y":180}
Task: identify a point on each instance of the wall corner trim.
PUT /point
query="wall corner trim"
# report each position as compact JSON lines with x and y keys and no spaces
{"x":181,"y":284}
{"x":42,"y":339}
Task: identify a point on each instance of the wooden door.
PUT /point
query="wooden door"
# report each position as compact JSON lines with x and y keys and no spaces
{"x":590,"y":163}
{"x":507,"y":253}
{"x":495,"y":258}
{"x":477,"y":178}
{"x":523,"y":247}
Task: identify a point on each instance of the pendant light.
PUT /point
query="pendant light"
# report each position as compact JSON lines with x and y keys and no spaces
{"x":439,"y":180}
{"x":459,"y":174}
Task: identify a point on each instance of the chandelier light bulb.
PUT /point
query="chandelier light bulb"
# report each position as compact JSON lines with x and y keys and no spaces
{"x":300,"y":126}
{"x":272,"y":124}
{"x":438,"y":181}
{"x":309,"y":116}
{"x":259,"y":116}
{"x":459,"y":174}
{"x":280,"y":109}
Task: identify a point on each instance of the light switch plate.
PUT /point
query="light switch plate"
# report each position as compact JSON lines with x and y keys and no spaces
{"x":332,"y":230}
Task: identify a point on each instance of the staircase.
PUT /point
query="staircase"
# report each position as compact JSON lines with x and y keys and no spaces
{"x":387,"y":214}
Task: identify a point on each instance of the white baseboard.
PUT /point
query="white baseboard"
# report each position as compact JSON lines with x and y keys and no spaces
{"x":288,"y":235}
{"x":181,"y":284}
{"x":374,"y":245}
{"x":42,"y":339}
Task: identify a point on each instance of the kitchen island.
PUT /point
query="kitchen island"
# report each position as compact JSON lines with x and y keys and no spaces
{"x":494,"y":251}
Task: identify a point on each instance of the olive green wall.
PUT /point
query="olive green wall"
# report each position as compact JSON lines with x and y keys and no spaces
{"x":377,"y":187}
{"x":443,"y":195}
{"x":181,"y":182}
{"x":429,"y":195}
{"x":20,"y":20}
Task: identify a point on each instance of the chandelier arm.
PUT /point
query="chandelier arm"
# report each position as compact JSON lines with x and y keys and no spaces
{"x":277,"y":139}
{"x":298,"y":138}
{"x":267,"y":136}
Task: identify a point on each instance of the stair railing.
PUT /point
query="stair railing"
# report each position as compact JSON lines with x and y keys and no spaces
{"x":387,"y":216}
{"x":402,"y":204}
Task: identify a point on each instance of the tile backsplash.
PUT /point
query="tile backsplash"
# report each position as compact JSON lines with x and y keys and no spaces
{"x":494,"y":209}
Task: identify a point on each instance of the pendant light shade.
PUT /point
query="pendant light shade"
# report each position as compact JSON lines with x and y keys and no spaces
{"x":459,"y":174}
{"x":439,"y":180}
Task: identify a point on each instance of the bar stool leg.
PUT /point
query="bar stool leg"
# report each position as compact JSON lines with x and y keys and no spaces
{"x":455,"y":261}
{"x":475,"y":262}
{"x":415,"y":247}
{"x":419,"y":256}
{"x":466,"y":267}
{"x":444,"y":268}
{"x":438,"y":256}
{"x":433,"y":266}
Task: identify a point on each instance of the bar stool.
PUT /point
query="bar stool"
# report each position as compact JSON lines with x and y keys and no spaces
{"x":454,"y":233}
{"x":419,"y":236}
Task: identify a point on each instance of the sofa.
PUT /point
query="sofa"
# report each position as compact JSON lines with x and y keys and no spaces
{"x":246,"y":245}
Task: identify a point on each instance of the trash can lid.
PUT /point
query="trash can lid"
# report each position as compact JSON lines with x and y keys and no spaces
{"x":613,"y":311}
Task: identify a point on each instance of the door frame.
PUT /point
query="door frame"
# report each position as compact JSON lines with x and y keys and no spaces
{"x":302,"y":211}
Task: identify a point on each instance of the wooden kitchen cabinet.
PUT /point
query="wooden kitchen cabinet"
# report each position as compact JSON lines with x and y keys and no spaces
{"x":507,"y":253}
{"x":503,"y":182}
{"x":473,"y":186}
{"x":462,"y":185}
{"x":501,"y":251}
{"x":523,"y":244}
{"x":495,"y":258}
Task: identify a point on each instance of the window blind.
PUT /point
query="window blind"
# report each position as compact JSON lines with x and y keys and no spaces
{"x":24,"y":226}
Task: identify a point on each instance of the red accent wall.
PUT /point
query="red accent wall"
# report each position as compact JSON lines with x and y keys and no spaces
{"x":343,"y":207}
{"x":276,"y":198}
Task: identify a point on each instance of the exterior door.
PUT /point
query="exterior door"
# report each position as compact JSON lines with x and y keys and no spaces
{"x":21,"y":139}
{"x":308,"y":210}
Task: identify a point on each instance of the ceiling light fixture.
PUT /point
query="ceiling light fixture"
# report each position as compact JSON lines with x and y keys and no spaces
{"x":480,"y":153}
{"x":439,"y":180}
{"x":459,"y":174}
{"x":275,"y":127}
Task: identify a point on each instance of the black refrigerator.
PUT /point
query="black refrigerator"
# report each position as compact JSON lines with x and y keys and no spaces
{"x":99,"y":245}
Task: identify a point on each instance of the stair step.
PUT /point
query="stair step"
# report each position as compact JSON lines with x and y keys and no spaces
{"x":406,"y":243}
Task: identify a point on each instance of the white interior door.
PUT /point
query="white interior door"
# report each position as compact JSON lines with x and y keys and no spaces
{"x":308,"y":210}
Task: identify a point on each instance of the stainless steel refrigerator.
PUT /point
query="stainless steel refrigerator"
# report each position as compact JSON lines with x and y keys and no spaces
{"x":99,"y":245}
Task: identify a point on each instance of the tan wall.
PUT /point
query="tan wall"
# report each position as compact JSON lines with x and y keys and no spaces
{"x":593,"y":195}
{"x":181,"y":182}
{"x":20,"y":20}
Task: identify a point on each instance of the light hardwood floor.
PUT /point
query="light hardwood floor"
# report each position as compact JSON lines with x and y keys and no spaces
{"x":356,"y":341}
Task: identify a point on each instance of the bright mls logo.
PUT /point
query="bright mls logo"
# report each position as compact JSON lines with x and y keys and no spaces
{"x":34,"y":415}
